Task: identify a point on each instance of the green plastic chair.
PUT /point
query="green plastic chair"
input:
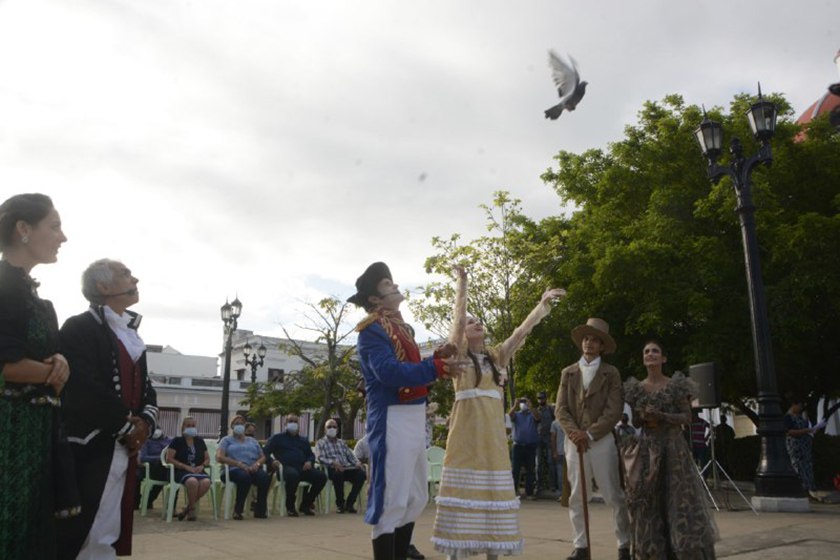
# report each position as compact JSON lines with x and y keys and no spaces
{"x":434,"y":456}
{"x":146,"y":486}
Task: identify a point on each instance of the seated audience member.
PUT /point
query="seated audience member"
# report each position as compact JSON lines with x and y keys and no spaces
{"x":342,"y":466}
{"x":150,"y":453}
{"x":245,"y":458}
{"x":251,"y":430}
{"x":294,"y":453}
{"x":188,"y":454}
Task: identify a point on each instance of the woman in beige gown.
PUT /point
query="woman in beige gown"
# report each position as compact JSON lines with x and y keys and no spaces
{"x":477,"y":509}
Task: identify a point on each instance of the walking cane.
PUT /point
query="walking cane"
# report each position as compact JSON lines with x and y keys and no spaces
{"x":584,"y":484}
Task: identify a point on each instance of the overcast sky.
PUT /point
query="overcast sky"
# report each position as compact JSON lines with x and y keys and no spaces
{"x":273,"y":149}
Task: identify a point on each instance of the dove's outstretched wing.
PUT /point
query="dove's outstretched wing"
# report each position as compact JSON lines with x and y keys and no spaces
{"x":566,"y":77}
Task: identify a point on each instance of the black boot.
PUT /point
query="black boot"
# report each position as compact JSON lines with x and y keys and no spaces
{"x":383,"y":547}
{"x":402,"y":538}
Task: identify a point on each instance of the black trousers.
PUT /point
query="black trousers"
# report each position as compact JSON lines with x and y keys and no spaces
{"x":292,"y":477}
{"x":524,"y":456}
{"x":356,"y":477}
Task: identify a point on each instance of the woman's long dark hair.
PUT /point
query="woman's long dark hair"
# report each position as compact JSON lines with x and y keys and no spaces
{"x":497,"y":377}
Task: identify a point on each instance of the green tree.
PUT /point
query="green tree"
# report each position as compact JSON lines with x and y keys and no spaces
{"x":507,"y":268}
{"x":655,"y":249}
{"x":328,"y":381}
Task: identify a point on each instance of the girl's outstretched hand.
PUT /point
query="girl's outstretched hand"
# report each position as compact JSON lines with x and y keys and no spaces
{"x":553,"y":294}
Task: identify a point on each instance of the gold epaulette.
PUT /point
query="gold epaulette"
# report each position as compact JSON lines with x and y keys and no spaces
{"x":367,"y":321}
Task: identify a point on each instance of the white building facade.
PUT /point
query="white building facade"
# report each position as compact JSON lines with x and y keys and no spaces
{"x":189,"y":385}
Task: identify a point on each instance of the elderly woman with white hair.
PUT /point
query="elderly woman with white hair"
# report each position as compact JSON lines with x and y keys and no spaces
{"x":111,"y":409}
{"x":477,"y":506}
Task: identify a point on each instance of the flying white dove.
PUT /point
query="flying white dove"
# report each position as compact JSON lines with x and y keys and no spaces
{"x":569,"y":86}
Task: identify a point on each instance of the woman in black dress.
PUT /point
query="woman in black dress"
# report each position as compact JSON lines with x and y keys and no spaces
{"x":188,"y":454}
{"x":32,"y":376}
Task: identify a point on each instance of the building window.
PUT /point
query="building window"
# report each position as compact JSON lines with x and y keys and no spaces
{"x":275,"y":375}
{"x":169,"y":420}
{"x":240,"y":375}
{"x":207,"y":422}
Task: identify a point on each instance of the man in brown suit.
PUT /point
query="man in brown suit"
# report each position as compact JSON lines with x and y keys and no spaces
{"x":589,"y":404}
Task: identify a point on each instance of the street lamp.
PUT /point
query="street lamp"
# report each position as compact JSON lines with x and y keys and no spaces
{"x":774,"y":476}
{"x":253,"y":361}
{"x":230,"y":313}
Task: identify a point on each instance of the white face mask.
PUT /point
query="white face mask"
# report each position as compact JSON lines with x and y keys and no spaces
{"x":292,"y":427}
{"x":332,"y":432}
{"x":523,"y":406}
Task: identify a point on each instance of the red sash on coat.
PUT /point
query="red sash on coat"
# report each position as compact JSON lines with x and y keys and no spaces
{"x":131,"y":380}
{"x":402,"y":338}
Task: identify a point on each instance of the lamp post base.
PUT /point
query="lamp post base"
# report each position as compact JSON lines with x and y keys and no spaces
{"x":772,"y":504}
{"x":779,"y":485}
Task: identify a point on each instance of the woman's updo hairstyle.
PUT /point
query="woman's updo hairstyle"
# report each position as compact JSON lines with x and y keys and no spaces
{"x":31,"y":208}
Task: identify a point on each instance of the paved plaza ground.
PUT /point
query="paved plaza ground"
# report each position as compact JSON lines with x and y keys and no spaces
{"x":545,"y":525}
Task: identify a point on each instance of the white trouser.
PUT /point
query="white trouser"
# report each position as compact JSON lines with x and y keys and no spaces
{"x":406,"y":468}
{"x":600,"y":463}
{"x":106,"y":525}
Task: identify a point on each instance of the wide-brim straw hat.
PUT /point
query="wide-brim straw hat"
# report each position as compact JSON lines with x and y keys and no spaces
{"x":595,"y":327}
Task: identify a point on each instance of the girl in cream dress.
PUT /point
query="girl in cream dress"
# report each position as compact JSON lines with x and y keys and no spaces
{"x":477,"y":509}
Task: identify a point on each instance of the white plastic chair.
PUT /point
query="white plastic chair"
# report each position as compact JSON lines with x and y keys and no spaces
{"x":170,"y":490}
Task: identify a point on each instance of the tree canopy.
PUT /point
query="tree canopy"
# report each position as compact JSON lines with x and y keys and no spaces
{"x":326,"y":384}
{"x":655,"y":249}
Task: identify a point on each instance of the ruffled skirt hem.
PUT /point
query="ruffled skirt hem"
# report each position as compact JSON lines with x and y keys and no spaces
{"x":463,"y":549}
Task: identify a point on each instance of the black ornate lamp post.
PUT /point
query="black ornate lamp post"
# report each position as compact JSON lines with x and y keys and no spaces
{"x":254,"y":361}
{"x":774,"y":477}
{"x":230,"y":313}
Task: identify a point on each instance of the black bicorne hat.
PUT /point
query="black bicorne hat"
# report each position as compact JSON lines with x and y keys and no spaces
{"x":367,"y":282}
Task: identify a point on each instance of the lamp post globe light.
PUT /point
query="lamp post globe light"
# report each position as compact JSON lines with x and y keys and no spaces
{"x":775,"y":478}
{"x":230,"y":313}
{"x":254,"y":361}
